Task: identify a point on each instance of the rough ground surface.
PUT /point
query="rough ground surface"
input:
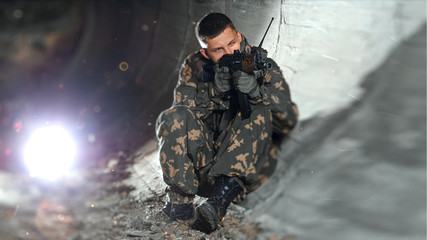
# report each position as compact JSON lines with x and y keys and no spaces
{"x":99,"y":206}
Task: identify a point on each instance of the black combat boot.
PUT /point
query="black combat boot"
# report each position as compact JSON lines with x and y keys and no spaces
{"x":182,"y":212}
{"x":210,"y":213}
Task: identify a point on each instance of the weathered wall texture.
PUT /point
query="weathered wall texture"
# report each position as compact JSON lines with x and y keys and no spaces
{"x":325,"y":48}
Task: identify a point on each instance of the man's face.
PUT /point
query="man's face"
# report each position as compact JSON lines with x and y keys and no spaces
{"x":225,"y":43}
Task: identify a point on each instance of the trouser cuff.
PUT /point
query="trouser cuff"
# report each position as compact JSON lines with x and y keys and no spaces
{"x":176,"y":198}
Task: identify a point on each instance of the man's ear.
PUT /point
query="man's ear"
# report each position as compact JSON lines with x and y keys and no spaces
{"x":239,"y":36}
{"x":203,"y":52}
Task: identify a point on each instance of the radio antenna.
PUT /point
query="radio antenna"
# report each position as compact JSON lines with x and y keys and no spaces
{"x":260,"y":44}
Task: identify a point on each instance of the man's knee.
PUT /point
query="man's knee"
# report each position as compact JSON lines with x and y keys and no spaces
{"x":176,"y":113}
{"x":173,"y":119}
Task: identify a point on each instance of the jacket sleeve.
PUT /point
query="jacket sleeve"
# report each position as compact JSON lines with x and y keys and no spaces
{"x":198,"y":95}
{"x":276,"y":96}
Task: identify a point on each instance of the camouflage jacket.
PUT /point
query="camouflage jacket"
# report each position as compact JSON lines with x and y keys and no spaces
{"x":200,"y":96}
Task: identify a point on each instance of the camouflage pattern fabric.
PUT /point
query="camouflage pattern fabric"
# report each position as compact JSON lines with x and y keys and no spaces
{"x":201,"y":136}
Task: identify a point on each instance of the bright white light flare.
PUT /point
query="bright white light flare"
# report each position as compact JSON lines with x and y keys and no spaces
{"x":49,"y":153}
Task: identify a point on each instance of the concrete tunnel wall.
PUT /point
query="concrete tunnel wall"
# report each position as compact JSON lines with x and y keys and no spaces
{"x":324,"y":48}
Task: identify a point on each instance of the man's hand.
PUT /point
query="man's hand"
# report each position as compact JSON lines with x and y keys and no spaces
{"x":222,"y":79}
{"x":246,"y":83}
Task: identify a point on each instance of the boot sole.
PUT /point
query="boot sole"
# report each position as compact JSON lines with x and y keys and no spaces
{"x":206,"y":218}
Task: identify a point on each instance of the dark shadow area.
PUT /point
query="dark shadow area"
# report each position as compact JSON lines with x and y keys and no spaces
{"x":104,"y":69}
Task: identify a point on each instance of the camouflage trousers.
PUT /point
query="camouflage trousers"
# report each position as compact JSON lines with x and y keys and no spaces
{"x":191,"y":158}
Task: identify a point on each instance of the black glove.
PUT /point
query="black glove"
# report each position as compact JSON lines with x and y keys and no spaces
{"x":222,"y":79}
{"x":246,"y":83}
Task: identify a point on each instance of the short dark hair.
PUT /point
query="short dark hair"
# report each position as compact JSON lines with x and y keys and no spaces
{"x":211,"y":25}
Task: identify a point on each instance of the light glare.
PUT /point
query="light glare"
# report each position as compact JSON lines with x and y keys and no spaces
{"x":49,"y":152}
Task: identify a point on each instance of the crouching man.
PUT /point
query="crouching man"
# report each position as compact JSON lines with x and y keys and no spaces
{"x":207,"y":147}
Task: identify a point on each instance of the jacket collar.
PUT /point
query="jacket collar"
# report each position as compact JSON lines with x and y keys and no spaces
{"x":244,"y":45}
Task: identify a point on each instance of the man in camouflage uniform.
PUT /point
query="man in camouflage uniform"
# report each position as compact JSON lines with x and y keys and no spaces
{"x":206,"y":147}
